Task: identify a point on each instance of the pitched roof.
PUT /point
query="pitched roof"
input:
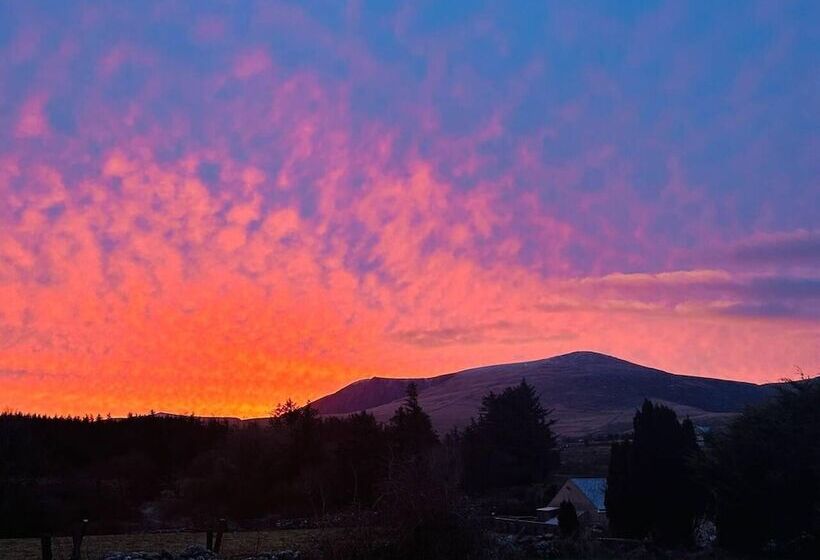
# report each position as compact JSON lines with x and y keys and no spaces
{"x":594,"y":489}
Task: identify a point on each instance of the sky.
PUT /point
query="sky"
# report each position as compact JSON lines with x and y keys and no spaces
{"x":211,"y":207}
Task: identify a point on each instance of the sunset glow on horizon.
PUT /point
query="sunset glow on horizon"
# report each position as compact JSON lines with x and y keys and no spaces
{"x":212,"y":207}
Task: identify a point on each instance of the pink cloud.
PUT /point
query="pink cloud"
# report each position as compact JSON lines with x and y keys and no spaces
{"x":251,"y":63}
{"x":32,"y":121}
{"x":328,"y":242}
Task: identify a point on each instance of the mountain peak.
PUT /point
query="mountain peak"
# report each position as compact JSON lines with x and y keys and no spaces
{"x":586,"y":355}
{"x":590,"y":358}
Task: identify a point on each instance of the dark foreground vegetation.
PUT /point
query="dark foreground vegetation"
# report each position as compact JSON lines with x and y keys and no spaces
{"x":400,"y":490}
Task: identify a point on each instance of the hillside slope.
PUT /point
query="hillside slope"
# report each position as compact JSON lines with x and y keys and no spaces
{"x":589,"y":392}
{"x":369,"y":393}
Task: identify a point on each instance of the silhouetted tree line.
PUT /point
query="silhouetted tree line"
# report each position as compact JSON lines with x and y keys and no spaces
{"x":758,"y":480}
{"x":56,"y":470}
{"x":156,"y":469}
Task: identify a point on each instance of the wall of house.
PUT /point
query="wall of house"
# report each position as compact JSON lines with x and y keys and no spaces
{"x":573,"y":494}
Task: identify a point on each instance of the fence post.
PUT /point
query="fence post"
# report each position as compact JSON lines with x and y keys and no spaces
{"x":45,"y":546}
{"x":77,"y":539}
{"x":220,"y":530}
{"x":209,"y":539}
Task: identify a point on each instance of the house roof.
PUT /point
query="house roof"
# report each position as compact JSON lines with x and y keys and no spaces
{"x":594,"y":489}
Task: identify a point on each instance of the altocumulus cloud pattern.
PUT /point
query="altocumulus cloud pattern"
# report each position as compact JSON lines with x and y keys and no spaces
{"x":226,"y":204}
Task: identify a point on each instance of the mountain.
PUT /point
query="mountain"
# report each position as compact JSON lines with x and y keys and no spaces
{"x":370,"y":393}
{"x":590,"y":393}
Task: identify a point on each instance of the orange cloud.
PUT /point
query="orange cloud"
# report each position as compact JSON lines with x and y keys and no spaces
{"x":190,"y":308}
{"x":262,"y":239}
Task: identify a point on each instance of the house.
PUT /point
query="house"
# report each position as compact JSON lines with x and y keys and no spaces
{"x":586,"y":494}
{"x":701,"y":433}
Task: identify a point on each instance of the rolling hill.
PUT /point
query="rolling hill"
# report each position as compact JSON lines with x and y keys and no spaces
{"x":590,"y":393}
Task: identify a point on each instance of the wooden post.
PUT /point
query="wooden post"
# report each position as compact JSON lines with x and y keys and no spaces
{"x":209,"y":539}
{"x":77,"y":539}
{"x":45,"y":546}
{"x":220,"y":530}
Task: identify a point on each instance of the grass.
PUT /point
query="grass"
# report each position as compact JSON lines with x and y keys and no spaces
{"x":586,"y":460}
{"x":234,"y":545}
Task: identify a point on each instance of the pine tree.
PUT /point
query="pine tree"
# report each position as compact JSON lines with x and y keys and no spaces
{"x":619,"y":505}
{"x":511,"y":443}
{"x":651,"y":487}
{"x":410,"y":429}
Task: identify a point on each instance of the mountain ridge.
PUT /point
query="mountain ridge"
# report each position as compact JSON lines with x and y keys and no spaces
{"x":590,"y":393}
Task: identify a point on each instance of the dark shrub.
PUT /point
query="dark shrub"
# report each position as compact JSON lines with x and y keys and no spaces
{"x":766,"y":475}
{"x":567,"y":519}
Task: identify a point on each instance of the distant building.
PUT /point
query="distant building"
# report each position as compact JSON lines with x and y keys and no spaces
{"x":586,"y":494}
{"x":701,"y":433}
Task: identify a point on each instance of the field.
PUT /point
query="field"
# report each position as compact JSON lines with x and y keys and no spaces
{"x":578,"y":459}
{"x":234,"y":545}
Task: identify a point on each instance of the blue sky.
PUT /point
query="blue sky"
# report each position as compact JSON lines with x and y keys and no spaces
{"x":322,"y":191}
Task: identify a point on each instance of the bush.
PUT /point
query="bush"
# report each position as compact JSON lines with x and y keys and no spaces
{"x":567,"y":519}
{"x":766,"y":475}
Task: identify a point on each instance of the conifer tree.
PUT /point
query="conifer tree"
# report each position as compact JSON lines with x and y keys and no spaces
{"x":651,"y":487}
{"x":410,"y":429}
{"x":765,"y":471}
{"x":511,"y":443}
